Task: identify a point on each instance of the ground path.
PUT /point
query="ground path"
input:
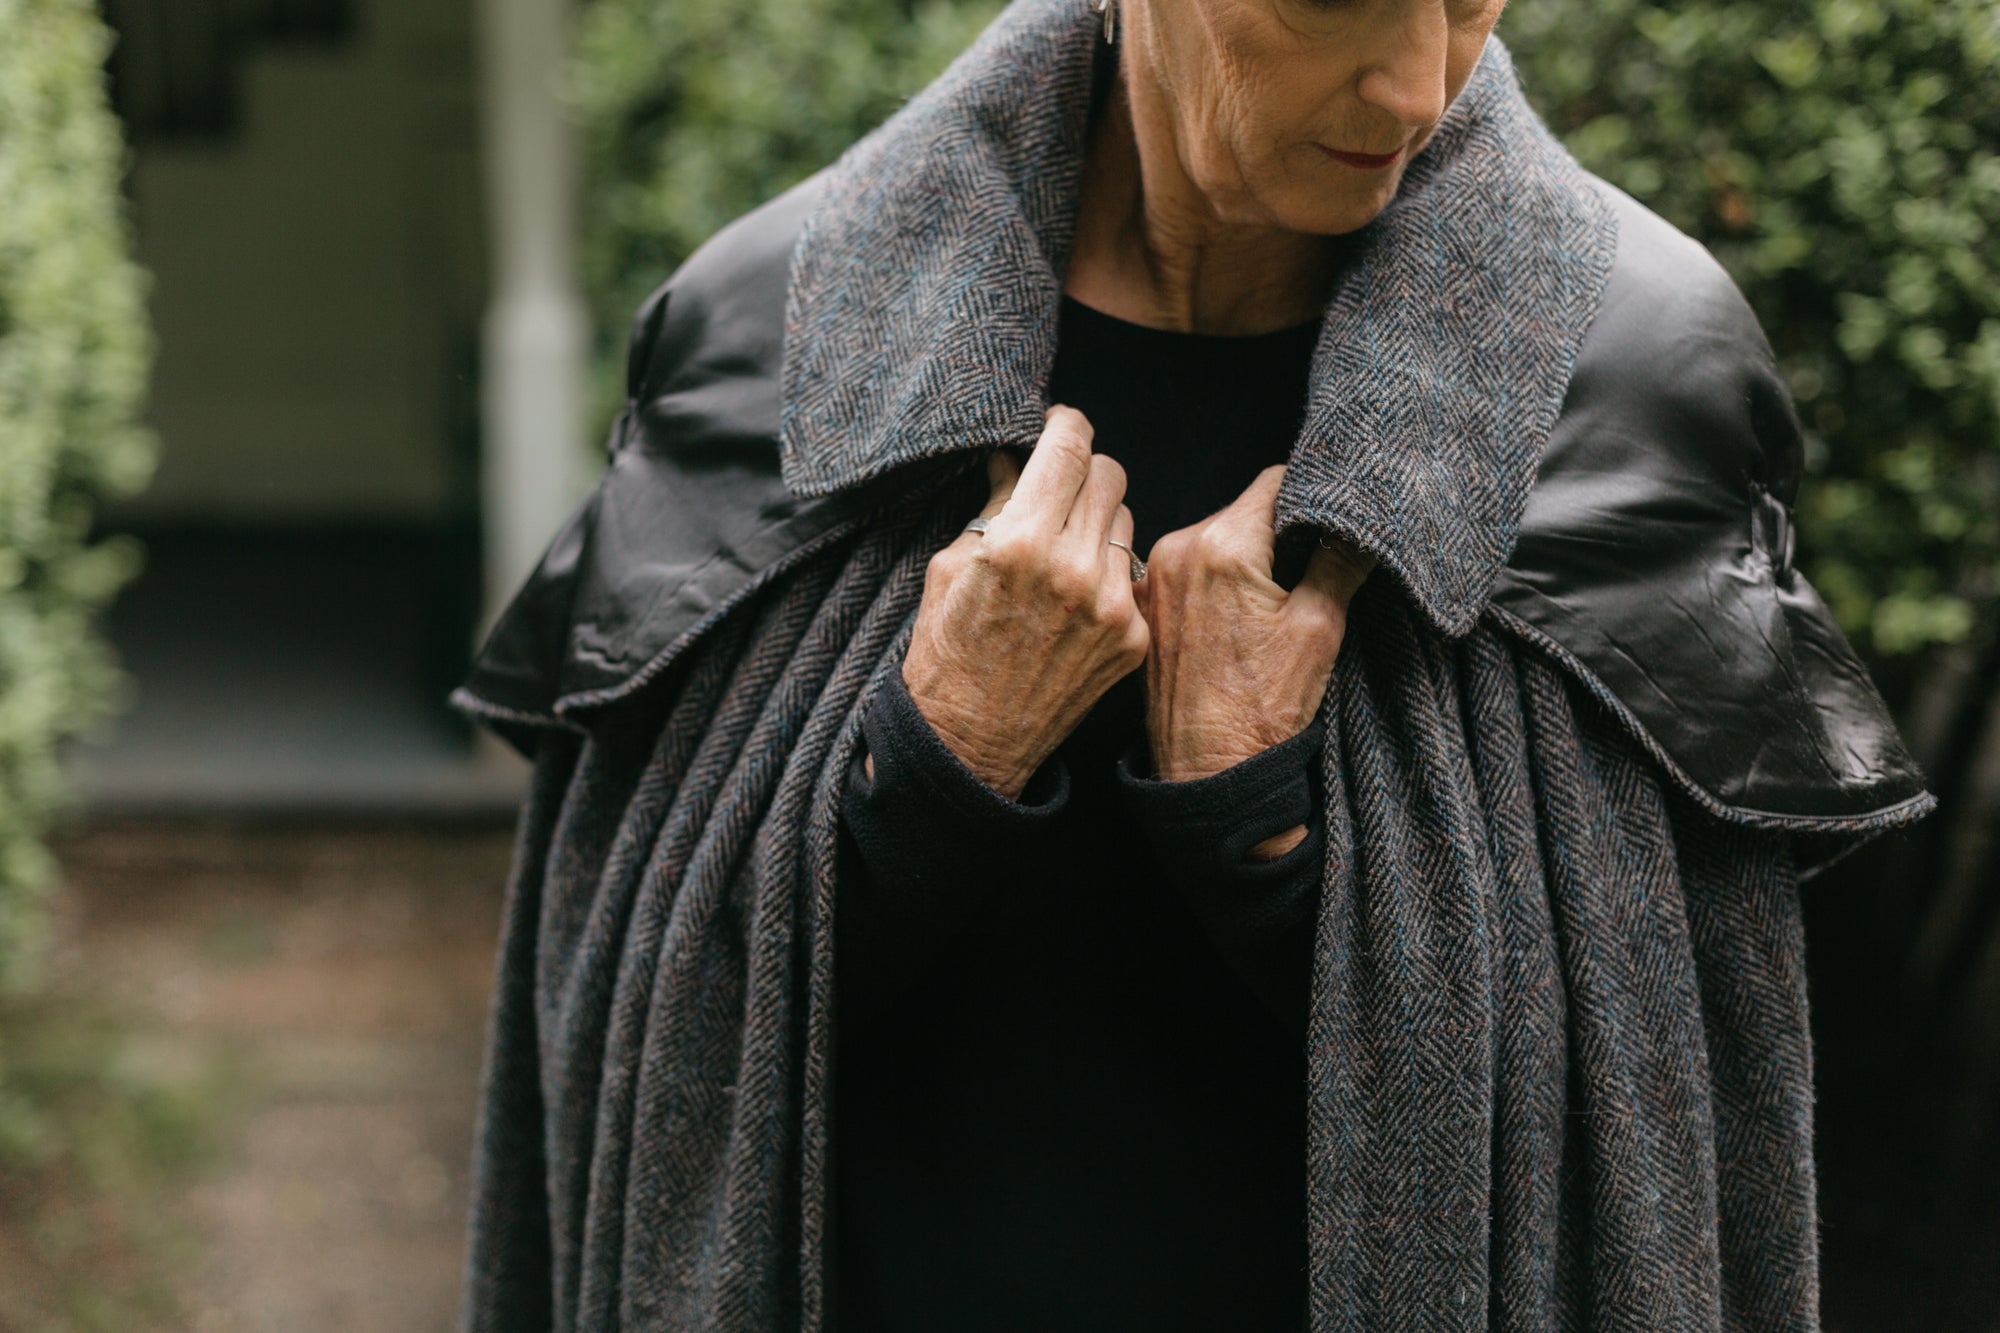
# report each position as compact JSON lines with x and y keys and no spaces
{"x":343,"y":972}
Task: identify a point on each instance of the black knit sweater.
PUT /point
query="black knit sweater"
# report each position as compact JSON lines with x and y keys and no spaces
{"x":1070,"y":1073}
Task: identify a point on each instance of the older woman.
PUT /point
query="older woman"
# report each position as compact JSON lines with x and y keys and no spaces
{"x":1314,"y":842}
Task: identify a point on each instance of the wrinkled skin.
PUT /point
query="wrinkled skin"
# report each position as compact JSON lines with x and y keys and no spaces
{"x":1207,"y":195}
{"x":1208,"y":198}
{"x":1237,"y":663}
{"x":1021,"y":630}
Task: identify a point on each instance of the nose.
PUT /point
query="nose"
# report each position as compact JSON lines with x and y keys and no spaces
{"x":1405,"y":75}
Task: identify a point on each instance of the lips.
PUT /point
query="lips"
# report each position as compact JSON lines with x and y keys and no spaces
{"x":1365,"y":161}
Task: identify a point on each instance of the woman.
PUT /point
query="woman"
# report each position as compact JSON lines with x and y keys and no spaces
{"x":1316,"y":843}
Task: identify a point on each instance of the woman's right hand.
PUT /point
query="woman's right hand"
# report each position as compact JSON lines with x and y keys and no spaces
{"x":1023,"y":629}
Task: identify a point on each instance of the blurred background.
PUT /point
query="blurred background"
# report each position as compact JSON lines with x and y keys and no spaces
{"x":311,"y":316}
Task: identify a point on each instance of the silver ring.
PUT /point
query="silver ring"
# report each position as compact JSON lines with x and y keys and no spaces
{"x":1138,"y":567}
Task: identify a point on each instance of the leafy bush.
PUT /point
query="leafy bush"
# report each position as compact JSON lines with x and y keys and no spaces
{"x":696,"y":111}
{"x":74,"y":353}
{"x":1841,"y":157}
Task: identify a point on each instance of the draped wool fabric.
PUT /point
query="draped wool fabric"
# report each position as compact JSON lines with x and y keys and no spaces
{"x":1559,"y":1068}
{"x":1560,"y":1072}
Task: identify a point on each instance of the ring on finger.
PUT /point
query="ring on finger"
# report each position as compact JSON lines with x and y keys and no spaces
{"x":1138,"y":566}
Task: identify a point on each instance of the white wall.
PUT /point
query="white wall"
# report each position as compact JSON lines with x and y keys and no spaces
{"x":318,"y":282}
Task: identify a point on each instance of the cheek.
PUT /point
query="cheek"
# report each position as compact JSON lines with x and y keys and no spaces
{"x":1247,"y":101}
{"x":1460,"y":58}
{"x":1258,"y":116}
{"x":1463,"y":48}
{"x":1263,"y":100}
{"x":1467,"y":44}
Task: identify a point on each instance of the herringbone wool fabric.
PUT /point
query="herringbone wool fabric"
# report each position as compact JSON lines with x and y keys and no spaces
{"x":1560,"y":1065}
{"x":1559,"y":1062}
{"x":925,"y":292}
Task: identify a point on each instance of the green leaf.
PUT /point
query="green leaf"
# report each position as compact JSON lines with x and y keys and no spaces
{"x":74,"y":356}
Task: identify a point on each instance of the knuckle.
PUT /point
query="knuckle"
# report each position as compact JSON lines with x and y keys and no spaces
{"x":1324,"y":627}
{"x":1136,"y":643}
{"x":1111,"y":470}
{"x":1009,"y":553}
{"x":1070,"y":582}
{"x":1113,"y":607}
{"x":1314,"y":619}
{"x":1217,"y":544}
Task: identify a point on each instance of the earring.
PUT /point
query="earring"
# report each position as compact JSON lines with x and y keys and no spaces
{"x":1109,"y":8}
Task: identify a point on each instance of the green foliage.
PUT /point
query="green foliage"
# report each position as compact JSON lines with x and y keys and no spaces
{"x":98,"y":1131}
{"x":74,"y":353}
{"x":1842,"y":159}
{"x":697,"y":110}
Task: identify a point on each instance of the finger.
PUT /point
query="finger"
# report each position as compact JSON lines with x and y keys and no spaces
{"x":1090,"y":517}
{"x":1335,"y":571}
{"x":1003,"y":474}
{"x":1259,"y":500}
{"x":1115,"y":582}
{"x":1055,"y":472}
{"x":1115,"y":560}
{"x":1250,"y":521}
{"x":1124,"y":530}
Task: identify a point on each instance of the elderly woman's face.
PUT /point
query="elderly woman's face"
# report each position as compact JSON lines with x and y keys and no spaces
{"x":1303,"y":113}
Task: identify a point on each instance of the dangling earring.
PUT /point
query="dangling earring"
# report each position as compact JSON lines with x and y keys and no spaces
{"x":1109,"y":8}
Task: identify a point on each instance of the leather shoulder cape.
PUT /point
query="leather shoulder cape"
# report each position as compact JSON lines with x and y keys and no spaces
{"x":1651,"y":554}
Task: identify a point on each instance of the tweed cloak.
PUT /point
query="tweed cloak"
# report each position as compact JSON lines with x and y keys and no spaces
{"x":1559,"y":1067}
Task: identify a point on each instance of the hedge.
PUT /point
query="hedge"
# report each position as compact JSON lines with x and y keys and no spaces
{"x":696,"y":111}
{"x":1842,"y":159}
{"x":1839,"y":156}
{"x":74,"y":355}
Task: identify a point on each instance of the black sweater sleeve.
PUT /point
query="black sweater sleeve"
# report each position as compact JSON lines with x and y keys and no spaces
{"x":1260,"y":913}
{"x":931,"y":843}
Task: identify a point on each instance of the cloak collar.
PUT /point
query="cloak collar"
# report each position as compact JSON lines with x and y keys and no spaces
{"x":922,"y":310}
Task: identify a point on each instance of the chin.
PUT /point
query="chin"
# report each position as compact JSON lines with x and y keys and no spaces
{"x":1322,"y":216}
{"x":1320,"y":205}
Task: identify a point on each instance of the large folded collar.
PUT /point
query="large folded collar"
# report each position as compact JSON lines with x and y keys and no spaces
{"x":921,"y":316}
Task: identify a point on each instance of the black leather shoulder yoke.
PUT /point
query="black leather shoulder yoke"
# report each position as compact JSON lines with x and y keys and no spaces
{"x":1654,"y":559}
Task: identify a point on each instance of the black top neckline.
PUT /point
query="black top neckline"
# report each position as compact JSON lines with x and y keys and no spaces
{"x":1089,"y":317}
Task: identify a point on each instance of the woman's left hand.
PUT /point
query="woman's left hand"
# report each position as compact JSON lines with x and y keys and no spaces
{"x":1237,"y":663}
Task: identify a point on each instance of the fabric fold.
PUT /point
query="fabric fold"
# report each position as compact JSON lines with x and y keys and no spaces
{"x":1559,"y":1062}
{"x":922,"y":313}
{"x":1559,"y":1070}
